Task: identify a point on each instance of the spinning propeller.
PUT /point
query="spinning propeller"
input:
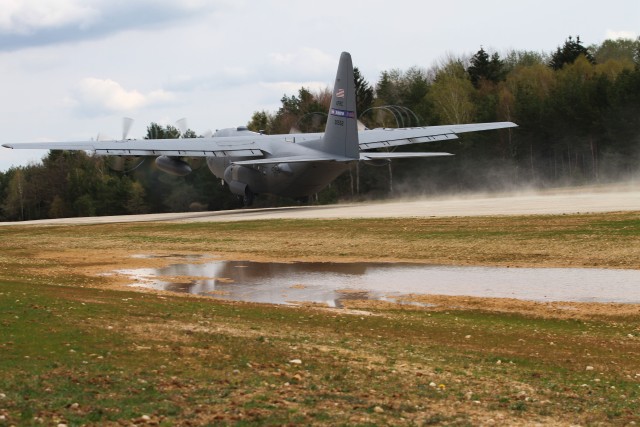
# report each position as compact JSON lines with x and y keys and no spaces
{"x":123,"y":164}
{"x":194,"y":162}
{"x":174,"y":165}
{"x":127,"y":122}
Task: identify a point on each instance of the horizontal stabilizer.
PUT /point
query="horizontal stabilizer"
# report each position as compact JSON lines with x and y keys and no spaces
{"x":293,"y":159}
{"x":372,"y":156}
{"x":393,"y":140}
{"x":363,"y":156}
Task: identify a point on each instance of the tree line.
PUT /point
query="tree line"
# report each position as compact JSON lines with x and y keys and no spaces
{"x":578,"y":111}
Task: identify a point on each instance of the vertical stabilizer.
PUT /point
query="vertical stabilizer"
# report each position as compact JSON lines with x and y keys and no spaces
{"x":341,"y":133}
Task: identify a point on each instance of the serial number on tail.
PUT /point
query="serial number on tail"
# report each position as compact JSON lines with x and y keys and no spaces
{"x":343,"y":113}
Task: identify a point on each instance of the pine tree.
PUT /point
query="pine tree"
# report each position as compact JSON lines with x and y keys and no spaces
{"x":571,"y":50}
{"x":364,"y":92}
{"x":484,"y":67}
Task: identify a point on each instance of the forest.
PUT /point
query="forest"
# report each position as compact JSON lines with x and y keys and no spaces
{"x":577,"y":107}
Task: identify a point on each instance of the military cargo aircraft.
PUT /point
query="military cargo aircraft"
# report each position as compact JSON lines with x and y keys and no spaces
{"x":290,"y":165}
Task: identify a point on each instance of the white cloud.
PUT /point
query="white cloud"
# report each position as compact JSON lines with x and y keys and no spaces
{"x":159,"y":96}
{"x":32,"y":23}
{"x":27,"y":16}
{"x":613,"y":35}
{"x":105,"y":96}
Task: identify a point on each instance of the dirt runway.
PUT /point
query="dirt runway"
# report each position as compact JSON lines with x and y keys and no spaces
{"x":552,"y":202}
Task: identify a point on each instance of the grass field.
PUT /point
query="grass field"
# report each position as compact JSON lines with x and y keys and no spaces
{"x":79,"y":348}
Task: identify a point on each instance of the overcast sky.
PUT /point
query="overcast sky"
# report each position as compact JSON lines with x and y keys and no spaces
{"x":70,"y":69}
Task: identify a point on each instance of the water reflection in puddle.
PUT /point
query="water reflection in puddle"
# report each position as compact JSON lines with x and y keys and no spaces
{"x":332,"y":283}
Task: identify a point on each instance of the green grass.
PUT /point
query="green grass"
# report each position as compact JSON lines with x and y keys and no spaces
{"x":66,"y":339}
{"x":59,"y":349}
{"x":112,"y":354}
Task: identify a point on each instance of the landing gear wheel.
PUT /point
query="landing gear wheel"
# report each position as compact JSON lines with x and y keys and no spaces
{"x":248,"y":198}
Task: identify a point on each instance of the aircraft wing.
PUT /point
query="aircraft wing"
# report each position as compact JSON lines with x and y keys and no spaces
{"x":245,"y":146}
{"x":254,"y":145}
{"x":390,"y":137}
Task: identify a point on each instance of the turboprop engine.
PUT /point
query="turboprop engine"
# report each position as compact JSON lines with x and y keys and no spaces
{"x":237,"y":177}
{"x":173,"y":165}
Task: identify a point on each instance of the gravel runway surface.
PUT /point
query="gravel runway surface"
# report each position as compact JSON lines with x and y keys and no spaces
{"x":549,"y":202}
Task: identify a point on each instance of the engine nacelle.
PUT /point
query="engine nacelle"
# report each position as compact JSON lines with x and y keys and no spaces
{"x":238,"y":188}
{"x":237,"y":177}
{"x":173,"y":165}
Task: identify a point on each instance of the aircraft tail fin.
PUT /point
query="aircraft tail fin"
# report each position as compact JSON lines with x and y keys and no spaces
{"x":341,"y":132}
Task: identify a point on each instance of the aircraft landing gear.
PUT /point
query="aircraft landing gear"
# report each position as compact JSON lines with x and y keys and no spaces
{"x":247,"y":199}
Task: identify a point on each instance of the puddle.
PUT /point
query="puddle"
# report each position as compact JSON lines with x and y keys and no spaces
{"x":183,"y":256}
{"x":332,"y":283}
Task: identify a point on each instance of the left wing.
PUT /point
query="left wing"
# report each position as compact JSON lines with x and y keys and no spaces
{"x":241,"y":146}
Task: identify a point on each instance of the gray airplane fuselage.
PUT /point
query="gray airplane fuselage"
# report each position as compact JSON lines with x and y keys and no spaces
{"x":296,"y":180}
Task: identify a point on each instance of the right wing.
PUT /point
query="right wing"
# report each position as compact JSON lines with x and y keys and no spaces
{"x":391,"y":137}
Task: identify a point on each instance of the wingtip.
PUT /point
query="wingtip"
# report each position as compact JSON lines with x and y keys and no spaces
{"x":7,"y":146}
